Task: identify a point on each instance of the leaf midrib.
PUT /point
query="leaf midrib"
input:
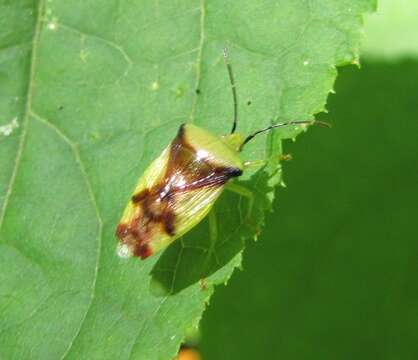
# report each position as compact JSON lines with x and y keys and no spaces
{"x":28,"y":112}
{"x":28,"y":106}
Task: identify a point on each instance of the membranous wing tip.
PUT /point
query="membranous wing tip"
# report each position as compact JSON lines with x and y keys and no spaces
{"x":124,"y":251}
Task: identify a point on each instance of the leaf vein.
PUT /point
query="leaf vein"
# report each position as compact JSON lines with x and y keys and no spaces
{"x":28,"y":106}
{"x":199,"y":58}
{"x":80,"y":163}
{"x":112,"y":44}
{"x":145,"y":325}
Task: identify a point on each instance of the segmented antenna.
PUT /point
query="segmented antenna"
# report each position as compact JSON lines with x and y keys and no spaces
{"x":234,"y":92}
{"x":304,"y":122}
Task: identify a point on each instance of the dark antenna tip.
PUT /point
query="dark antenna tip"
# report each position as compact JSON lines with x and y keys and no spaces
{"x":287,"y":123}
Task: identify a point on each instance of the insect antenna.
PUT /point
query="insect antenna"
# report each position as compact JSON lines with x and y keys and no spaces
{"x":234,"y":91}
{"x":304,"y":122}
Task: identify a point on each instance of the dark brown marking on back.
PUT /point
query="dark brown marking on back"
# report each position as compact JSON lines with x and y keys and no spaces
{"x":155,"y":204}
{"x":168,"y":222}
{"x":143,"y":251}
{"x":196,"y":172}
{"x":140,"y":196}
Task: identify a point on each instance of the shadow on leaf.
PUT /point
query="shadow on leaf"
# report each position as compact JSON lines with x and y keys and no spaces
{"x":215,"y":242}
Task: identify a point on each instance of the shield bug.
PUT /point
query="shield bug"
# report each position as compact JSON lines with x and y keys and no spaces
{"x":179,"y":188}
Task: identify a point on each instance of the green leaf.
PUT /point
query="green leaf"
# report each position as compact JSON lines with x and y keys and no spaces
{"x":97,"y":90}
{"x":334,"y":274}
{"x":390,"y":32}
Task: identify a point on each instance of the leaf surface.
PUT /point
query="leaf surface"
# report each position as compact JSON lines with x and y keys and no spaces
{"x":386,"y":29}
{"x":97,"y":90}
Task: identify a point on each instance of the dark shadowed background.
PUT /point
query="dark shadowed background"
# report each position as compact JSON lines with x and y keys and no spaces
{"x":334,"y":275}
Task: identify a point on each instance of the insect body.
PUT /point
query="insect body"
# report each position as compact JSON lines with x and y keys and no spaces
{"x":180,"y":187}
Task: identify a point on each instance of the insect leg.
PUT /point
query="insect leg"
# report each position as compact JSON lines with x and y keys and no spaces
{"x":242,"y":191}
{"x":213,"y":228}
{"x":213,"y":236}
{"x":255,"y":163}
{"x":203,"y":285}
{"x":261,"y":163}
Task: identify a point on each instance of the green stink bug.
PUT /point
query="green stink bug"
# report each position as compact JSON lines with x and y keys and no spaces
{"x":179,"y":188}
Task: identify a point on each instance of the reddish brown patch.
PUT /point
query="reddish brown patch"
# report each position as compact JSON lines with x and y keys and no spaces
{"x":168,"y":221}
{"x":155,"y":204}
{"x":121,"y":231}
{"x":143,"y":251}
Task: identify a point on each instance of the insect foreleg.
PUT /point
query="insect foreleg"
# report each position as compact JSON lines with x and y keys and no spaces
{"x":261,"y":163}
{"x":213,"y":228}
{"x":255,"y":163}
